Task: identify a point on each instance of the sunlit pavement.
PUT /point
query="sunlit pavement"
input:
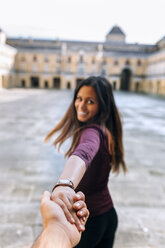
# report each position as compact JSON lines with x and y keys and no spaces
{"x":28,"y":167}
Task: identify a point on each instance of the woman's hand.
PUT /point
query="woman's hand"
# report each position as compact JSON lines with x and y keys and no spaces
{"x":70,"y":202}
{"x":80,"y":206}
{"x":56,"y":228}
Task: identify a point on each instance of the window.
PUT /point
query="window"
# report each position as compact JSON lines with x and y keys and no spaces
{"x":103,"y":72}
{"x":58,"y":59}
{"x":127,"y":62}
{"x":116,"y":62}
{"x":34,"y":58}
{"x":69,"y":60}
{"x":139,"y":63}
{"x":80,"y":70}
{"x":58,"y":70}
{"x":81,"y":59}
{"x":104,"y":62}
{"x":46,"y":59}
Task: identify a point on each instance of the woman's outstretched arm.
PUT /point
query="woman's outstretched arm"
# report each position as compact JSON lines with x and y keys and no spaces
{"x":64,"y":195}
{"x":74,"y":169}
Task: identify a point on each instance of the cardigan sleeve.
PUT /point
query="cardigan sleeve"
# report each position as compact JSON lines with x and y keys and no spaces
{"x":88,"y":145}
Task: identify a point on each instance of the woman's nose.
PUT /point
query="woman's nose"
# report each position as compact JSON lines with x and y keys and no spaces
{"x":82,"y":105}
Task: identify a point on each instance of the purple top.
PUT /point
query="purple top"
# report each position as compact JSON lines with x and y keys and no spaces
{"x":93,"y":149}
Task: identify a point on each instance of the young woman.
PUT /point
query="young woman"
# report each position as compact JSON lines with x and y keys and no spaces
{"x":93,"y":122}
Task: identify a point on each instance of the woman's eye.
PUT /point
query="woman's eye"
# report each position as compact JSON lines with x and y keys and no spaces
{"x":78,"y":98}
{"x":90,"y":101}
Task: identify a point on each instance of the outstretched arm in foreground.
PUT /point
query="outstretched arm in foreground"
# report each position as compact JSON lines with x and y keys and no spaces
{"x":57,"y":231}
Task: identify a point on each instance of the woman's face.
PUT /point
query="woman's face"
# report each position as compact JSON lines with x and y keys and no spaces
{"x":86,"y":104}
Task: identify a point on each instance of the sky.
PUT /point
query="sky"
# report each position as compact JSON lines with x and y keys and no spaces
{"x":143,"y":21}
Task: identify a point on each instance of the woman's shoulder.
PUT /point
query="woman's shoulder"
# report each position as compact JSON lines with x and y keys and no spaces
{"x":94,"y":128}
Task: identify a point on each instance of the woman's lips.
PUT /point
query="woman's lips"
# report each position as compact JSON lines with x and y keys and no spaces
{"x":82,"y":113}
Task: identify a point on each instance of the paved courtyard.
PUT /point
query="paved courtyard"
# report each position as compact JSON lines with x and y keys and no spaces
{"x":28,"y":167}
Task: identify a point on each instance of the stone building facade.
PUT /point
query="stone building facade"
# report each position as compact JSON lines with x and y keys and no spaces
{"x":61,"y":64}
{"x":7,"y":60}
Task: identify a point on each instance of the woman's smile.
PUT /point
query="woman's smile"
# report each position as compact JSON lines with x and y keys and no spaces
{"x":82,"y":113}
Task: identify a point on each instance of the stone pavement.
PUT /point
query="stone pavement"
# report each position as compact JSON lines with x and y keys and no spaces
{"x":28,"y":167}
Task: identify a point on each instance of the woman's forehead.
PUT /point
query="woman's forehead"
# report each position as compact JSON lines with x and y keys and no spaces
{"x":87,"y":91}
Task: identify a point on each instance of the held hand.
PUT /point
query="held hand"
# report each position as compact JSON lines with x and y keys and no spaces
{"x":54,"y":219}
{"x":65,"y":197}
{"x":80,"y":207}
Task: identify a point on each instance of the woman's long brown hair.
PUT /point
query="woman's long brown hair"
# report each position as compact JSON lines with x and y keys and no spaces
{"x":108,"y":117}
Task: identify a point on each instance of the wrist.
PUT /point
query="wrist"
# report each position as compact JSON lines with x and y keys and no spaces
{"x":55,"y":236}
{"x":64,"y":182}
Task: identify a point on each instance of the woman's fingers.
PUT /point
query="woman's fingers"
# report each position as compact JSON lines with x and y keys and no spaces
{"x":63,"y":200}
{"x":73,"y":206}
{"x":83,"y":213}
{"x":81,"y":209}
{"x":82,"y":216}
{"x":79,"y":196}
{"x":78,"y":222}
{"x":79,"y":205}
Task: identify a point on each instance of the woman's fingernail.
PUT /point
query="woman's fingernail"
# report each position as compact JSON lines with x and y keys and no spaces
{"x":82,"y":227}
{"x":78,"y":196}
{"x":77,"y":204}
{"x":81,"y":212}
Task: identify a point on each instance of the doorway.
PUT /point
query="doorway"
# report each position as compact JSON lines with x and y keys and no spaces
{"x":125,"y":80}
{"x":34,"y":82}
{"x":68,"y":85}
{"x":23,"y":83}
{"x":56,"y":82}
